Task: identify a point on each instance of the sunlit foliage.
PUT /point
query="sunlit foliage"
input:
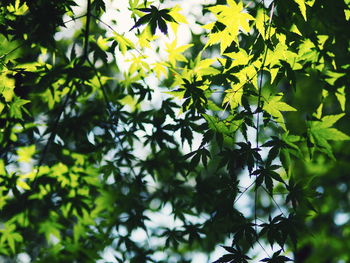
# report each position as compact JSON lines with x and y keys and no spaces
{"x":107,"y":126}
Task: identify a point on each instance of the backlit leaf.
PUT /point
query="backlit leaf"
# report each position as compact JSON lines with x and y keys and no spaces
{"x":302,"y":7}
{"x":274,"y":106}
{"x":322,"y":131}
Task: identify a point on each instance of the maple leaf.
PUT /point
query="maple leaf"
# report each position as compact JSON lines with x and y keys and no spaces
{"x":320,"y":132}
{"x":123,"y":43}
{"x":274,"y":106}
{"x":155,"y":18}
{"x":340,"y":94}
{"x":160,"y":68}
{"x":10,"y":236}
{"x":234,"y":19}
{"x":302,"y":7}
{"x":234,"y":95}
{"x":176,"y":53}
{"x":276,"y":258}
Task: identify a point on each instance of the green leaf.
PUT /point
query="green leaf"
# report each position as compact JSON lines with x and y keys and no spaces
{"x":321,"y":132}
{"x":175,"y":53}
{"x":340,"y":94}
{"x":233,"y":96}
{"x":25,"y":153}
{"x":123,"y":42}
{"x":7,"y":86}
{"x":274,"y":106}
{"x":9,"y":236}
{"x":232,"y":27}
{"x":302,"y":7}
{"x":16,"y":107}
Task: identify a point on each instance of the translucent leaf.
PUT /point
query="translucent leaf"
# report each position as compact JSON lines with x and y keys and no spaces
{"x":322,"y":131}
{"x":327,"y":121}
{"x":25,"y":153}
{"x":9,"y":236}
{"x":302,"y":7}
{"x":176,"y":53}
{"x":203,"y":67}
{"x":224,"y":14}
{"x":161,"y":69}
{"x":239,"y":58}
{"x":234,"y":96}
{"x":340,"y":94}
{"x":261,"y":23}
{"x":274,"y":106}
{"x":124,"y":43}
{"x":2,"y":167}
{"x":102,"y":43}
{"x":2,"y":106}
{"x":16,"y":108}
{"x":23,"y":185}
{"x":333,"y":76}
{"x":146,"y":37}
{"x":7,"y":86}
{"x":19,"y":8}
{"x":174,"y":13}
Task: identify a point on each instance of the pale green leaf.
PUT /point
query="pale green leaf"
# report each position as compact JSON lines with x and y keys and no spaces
{"x":274,"y":106}
{"x":16,"y":107}
{"x":7,"y":86}
{"x":234,"y":96}
{"x":321,"y":132}
{"x":327,"y":121}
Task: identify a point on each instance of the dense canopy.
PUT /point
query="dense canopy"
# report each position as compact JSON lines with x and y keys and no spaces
{"x":174,"y":131}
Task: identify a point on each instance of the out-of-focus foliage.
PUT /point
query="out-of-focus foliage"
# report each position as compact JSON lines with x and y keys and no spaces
{"x":102,"y":130}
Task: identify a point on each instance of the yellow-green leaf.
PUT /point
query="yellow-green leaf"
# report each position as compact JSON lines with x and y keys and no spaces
{"x":274,"y":106}
{"x":123,"y":43}
{"x":340,"y":94}
{"x":176,"y":53}
{"x":161,"y":69}
{"x":261,"y":22}
{"x":7,"y":86}
{"x":302,"y":7}
{"x":174,"y":13}
{"x":25,"y":153}
{"x":322,"y":131}
{"x":234,"y":96}
{"x":23,"y":185}
{"x":2,"y":167}
{"x":225,"y":15}
{"x":102,"y":43}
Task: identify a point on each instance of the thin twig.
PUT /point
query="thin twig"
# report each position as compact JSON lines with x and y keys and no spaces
{"x":246,"y":189}
{"x":273,"y":199}
{"x":114,"y":31}
{"x":52,"y":136}
{"x":73,"y":19}
{"x":109,"y":109}
{"x":266,"y":36}
{"x":87,"y":30}
{"x":257,"y":240}
{"x":261,"y":77}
